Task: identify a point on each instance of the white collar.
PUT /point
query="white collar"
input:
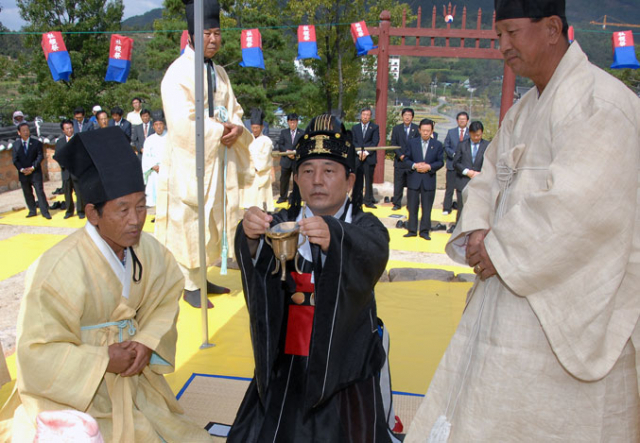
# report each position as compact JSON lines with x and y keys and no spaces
{"x":123,"y":272}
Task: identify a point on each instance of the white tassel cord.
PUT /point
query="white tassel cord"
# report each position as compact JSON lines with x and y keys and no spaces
{"x":440,"y":431}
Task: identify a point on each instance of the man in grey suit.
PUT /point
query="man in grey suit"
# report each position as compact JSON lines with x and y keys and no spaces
{"x":366,"y":135}
{"x":69,"y":182}
{"x":468,"y":161}
{"x":454,"y":136}
{"x":139,"y":133}
{"x":400,"y":136}
{"x":80,"y":123}
{"x":287,"y":142}
{"x":117,"y":120}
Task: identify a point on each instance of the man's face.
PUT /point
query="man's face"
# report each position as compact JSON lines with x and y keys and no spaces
{"x":407,"y":118}
{"x":116,"y":117}
{"x":122,"y":220}
{"x":293,"y":124}
{"x":24,"y":132}
{"x":212,"y":42}
{"x":256,"y":130}
{"x":158,"y":126}
{"x":103,"y":120}
{"x":136,"y":105}
{"x":67,"y":129}
{"x":79,"y":117}
{"x":18,"y":118}
{"x":323,"y":185}
{"x":462,"y":121}
{"x":365,"y":117}
{"x":475,"y":136}
{"x":523,"y":45}
{"x":426,"y":131}
{"x":145,"y":118}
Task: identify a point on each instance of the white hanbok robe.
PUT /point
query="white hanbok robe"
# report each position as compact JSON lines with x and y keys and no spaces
{"x":546,"y":352}
{"x":260,"y":191}
{"x":154,"y":147}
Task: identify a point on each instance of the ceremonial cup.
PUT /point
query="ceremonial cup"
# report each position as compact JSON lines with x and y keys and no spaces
{"x":283,"y":239}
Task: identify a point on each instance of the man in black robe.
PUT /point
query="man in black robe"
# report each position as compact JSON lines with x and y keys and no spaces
{"x":316,"y":342}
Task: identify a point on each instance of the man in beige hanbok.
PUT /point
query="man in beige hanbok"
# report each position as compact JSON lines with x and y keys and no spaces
{"x":225,"y":138}
{"x":546,"y":349}
{"x":260,"y":193}
{"x":97,"y":324}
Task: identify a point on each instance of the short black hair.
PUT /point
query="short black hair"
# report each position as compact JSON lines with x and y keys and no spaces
{"x":292,"y":116}
{"x":408,"y":110}
{"x":116,"y":110}
{"x":21,"y":124}
{"x":66,"y":121}
{"x":462,"y":113}
{"x":476,"y":126}
{"x":101,"y":112}
{"x":79,"y":110}
{"x":136,"y":98}
{"x":366,"y":108}
{"x":427,"y":121}
{"x":145,"y":111}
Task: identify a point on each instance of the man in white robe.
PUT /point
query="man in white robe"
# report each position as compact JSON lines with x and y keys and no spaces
{"x":546,"y":349}
{"x":154,"y":147}
{"x":226,"y":138}
{"x":260,"y":193}
{"x":97,"y":324}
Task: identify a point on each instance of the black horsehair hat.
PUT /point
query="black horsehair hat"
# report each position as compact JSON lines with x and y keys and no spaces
{"x":326,"y":137}
{"x":508,"y":9}
{"x":104,"y":164}
{"x":257,"y":116}
{"x":211,"y":14}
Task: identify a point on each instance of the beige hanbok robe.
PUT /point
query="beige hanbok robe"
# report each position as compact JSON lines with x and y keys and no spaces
{"x":547,"y":351}
{"x":62,"y":353}
{"x":260,"y":191}
{"x":177,"y":205}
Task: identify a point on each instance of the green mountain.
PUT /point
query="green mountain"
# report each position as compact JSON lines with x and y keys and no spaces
{"x":142,"y":22}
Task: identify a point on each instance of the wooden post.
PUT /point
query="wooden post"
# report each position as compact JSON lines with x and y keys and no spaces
{"x":508,"y":87}
{"x":382,"y":91}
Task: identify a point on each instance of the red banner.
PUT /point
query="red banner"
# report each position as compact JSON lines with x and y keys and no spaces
{"x":121,"y":47}
{"x":52,"y":42}
{"x":622,"y":39}
{"x":359,"y":30}
{"x":184,"y":40}
{"x":306,"y":33}
{"x":251,"y":38}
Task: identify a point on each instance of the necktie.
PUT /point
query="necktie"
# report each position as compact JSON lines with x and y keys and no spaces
{"x":146,"y":128}
{"x":293,"y":136}
{"x":407,"y":131}
{"x":474,"y":151}
{"x":364,"y":129}
{"x":461,"y":134}
{"x":425,"y":144}
{"x":26,"y":147}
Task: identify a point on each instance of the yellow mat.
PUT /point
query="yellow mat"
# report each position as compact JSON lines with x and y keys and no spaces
{"x":21,"y":250}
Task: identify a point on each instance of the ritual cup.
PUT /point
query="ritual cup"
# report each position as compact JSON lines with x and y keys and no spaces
{"x":283,"y":239}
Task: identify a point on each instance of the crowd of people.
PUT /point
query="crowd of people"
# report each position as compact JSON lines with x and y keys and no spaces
{"x":546,"y":349}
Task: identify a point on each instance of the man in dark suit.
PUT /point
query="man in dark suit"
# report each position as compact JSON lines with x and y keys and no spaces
{"x":468,"y":161}
{"x":80,"y":123}
{"x":69,"y":182}
{"x":423,"y":158}
{"x":400,"y":136}
{"x":366,"y":135}
{"x":27,"y":156}
{"x":287,"y":142}
{"x":141,"y":132}
{"x":117,"y":120}
{"x":454,"y":136}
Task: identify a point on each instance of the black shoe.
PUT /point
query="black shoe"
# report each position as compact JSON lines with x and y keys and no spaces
{"x":215,"y":289}
{"x":81,"y":216}
{"x":193,"y":298}
{"x":31,"y":214}
{"x":386,"y":199}
{"x":68,"y":215}
{"x":375,"y":201}
{"x":47,"y":216}
{"x":396,"y":208}
{"x":410,"y":234}
{"x":282,"y":200}
{"x":451,"y":228}
{"x":55,"y":205}
{"x":425,"y":236}
{"x":371,"y":206}
{"x":58,"y":191}
{"x":154,"y":220}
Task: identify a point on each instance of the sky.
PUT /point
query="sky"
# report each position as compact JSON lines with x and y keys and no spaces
{"x":10,"y":16}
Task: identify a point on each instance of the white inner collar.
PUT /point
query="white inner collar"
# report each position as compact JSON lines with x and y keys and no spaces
{"x":123,"y":272}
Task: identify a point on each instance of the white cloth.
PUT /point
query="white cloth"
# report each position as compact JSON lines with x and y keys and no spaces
{"x":547,"y":352}
{"x":260,"y":191}
{"x":134,"y":118}
{"x":154,"y":147}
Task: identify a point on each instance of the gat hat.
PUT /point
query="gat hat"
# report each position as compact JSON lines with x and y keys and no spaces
{"x":96,"y":108}
{"x":257,"y":116}
{"x":211,"y":14}
{"x":507,"y":9}
{"x":104,"y":164}
{"x":158,"y":115}
{"x":326,"y":137}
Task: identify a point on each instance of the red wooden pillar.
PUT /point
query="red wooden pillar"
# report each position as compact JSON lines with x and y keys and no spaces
{"x":508,"y":88}
{"x":382,"y":91}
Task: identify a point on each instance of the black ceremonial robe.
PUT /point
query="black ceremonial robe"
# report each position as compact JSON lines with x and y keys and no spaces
{"x":332,"y":394}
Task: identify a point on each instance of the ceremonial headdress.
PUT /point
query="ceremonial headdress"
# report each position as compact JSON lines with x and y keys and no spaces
{"x":211,"y":14}
{"x":158,"y":115}
{"x":104,"y":164}
{"x":507,"y":9}
{"x":257,"y":116}
{"x":326,"y":137}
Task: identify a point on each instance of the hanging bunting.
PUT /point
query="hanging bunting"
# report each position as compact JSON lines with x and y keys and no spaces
{"x":571,"y":35}
{"x":307,"y":44}
{"x":361,"y":38}
{"x":624,"y":53}
{"x":55,"y":52}
{"x":184,"y":40}
{"x":251,"y":42}
{"x":119,"y":59}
